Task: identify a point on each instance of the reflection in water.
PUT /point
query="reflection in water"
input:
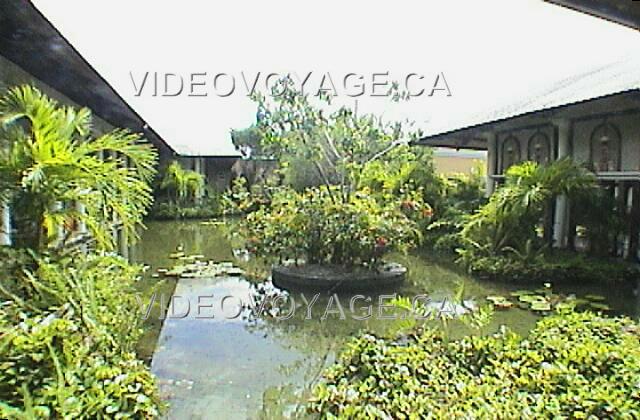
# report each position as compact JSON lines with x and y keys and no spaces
{"x":258,"y":364}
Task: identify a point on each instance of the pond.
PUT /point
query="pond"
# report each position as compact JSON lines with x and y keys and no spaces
{"x":228,"y":361}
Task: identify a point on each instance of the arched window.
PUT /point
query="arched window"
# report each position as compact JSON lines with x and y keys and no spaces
{"x":605,"y":147}
{"x":510,"y":152}
{"x":539,"y":148}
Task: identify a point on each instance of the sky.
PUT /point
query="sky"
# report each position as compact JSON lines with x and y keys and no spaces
{"x":489,"y":53}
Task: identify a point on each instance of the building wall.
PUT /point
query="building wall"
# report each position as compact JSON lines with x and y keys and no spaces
{"x":629,"y":128}
{"x":582,"y":131}
{"x":523,"y":137}
{"x":451,"y":165}
{"x":216,"y":170}
{"x":616,"y":163}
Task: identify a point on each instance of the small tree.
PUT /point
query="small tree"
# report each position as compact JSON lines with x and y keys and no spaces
{"x":182,"y":185}
{"x":337,"y":144}
{"x":51,"y":169}
{"x":364,"y":206}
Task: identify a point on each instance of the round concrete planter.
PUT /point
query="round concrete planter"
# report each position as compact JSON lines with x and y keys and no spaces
{"x":337,"y":278}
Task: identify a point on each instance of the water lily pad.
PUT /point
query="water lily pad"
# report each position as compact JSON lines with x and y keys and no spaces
{"x":531,"y":298}
{"x":567,"y":305}
{"x":599,"y":306}
{"x":500,"y":302}
{"x":519,"y":293}
{"x":541,"y":306}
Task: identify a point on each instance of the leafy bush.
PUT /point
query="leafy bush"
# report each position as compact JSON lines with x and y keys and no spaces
{"x":313,"y":227}
{"x":462,"y":195}
{"x":182,"y":185}
{"x":50,"y":165}
{"x":564,"y":268}
{"x":68,"y":330}
{"x":207,"y":209}
{"x":572,"y":365}
{"x":514,"y":211}
{"x":242,"y":199}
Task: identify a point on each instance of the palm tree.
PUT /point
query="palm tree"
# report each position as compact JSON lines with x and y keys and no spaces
{"x":57,"y":175}
{"x":182,"y":183}
{"x":510,"y":217}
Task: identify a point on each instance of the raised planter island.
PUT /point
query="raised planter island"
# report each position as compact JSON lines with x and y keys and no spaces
{"x":334,"y":278}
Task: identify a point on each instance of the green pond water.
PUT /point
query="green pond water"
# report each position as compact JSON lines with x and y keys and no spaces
{"x":213,"y":364}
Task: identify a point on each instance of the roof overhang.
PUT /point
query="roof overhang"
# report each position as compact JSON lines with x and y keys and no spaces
{"x":475,"y":136}
{"x":624,"y":12}
{"x":30,"y":41}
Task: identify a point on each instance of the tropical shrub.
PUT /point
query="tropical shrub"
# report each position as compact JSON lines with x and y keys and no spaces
{"x":565,"y":268}
{"x":461,"y":196}
{"x":313,"y":228}
{"x":599,"y":220}
{"x":513,"y":213}
{"x":572,"y":365}
{"x":50,"y":168}
{"x":241,"y":199}
{"x":68,"y":331}
{"x":182,"y":185}
{"x":208,"y":207}
{"x":337,"y":143}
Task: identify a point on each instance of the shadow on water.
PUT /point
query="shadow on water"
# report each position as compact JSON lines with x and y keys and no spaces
{"x":234,"y":359}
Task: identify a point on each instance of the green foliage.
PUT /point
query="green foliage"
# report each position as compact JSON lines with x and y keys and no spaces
{"x":461,"y":195}
{"x":209,"y":207}
{"x":403,"y":168}
{"x":182,"y":185}
{"x":572,"y":365}
{"x":338,"y":143}
{"x":511,"y":216}
{"x":564,"y":268}
{"x":311,"y":227}
{"x":67,"y":335}
{"x":50,"y":165}
{"x":249,"y":142}
{"x":599,"y":220}
{"x":241,"y":199}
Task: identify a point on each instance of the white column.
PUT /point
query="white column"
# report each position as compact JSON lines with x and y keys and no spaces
{"x":492,"y":147}
{"x":561,"y":216}
{"x":5,"y":225}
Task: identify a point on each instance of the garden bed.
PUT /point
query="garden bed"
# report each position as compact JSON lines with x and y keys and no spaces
{"x":561,"y":269}
{"x":337,"y":278}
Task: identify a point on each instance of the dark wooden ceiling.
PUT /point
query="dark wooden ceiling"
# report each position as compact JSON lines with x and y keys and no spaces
{"x":29,"y":40}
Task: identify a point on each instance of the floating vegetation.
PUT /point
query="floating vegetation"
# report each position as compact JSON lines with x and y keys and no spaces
{"x":543,"y":300}
{"x":194,"y":266}
{"x":500,"y":302}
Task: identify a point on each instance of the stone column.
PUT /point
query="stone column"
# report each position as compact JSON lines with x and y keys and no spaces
{"x":561,"y":217}
{"x":5,"y":225}
{"x":492,"y":158}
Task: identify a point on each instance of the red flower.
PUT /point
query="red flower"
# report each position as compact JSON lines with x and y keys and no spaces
{"x":381,"y":242}
{"x":427,"y":212}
